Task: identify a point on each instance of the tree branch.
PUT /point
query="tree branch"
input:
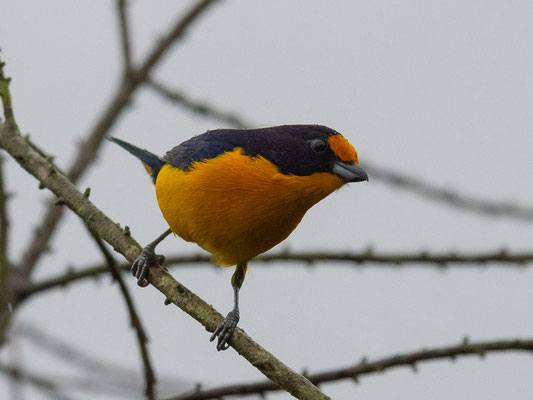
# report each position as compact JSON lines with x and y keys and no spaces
{"x":451,"y":197}
{"x":135,"y":321}
{"x":48,"y":387}
{"x":369,"y":367}
{"x":175,"y":292}
{"x":4,"y":228}
{"x":125,"y":36}
{"x":6,"y":291}
{"x":402,"y":181}
{"x":199,"y":107}
{"x":87,"y":151}
{"x":351,"y":259}
{"x":97,"y":374}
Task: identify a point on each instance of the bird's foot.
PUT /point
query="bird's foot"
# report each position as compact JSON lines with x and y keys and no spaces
{"x":144,"y":262}
{"x":225,"y":330}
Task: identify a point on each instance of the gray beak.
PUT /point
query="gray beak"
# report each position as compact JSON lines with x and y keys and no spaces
{"x":350,"y":172}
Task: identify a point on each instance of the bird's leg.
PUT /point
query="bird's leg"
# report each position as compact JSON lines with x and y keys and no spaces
{"x":148,"y":259}
{"x":226,"y":328}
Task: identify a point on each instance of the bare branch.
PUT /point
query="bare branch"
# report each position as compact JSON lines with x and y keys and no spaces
{"x":4,"y":230}
{"x":135,"y":321}
{"x":5,"y":94}
{"x":402,"y":181}
{"x":87,"y":151}
{"x":125,"y":36}
{"x":352,"y":259}
{"x":4,"y":223}
{"x":174,"y":292}
{"x":177,"y":33}
{"x":6,"y":291}
{"x":451,"y":197}
{"x":199,"y":107}
{"x":99,"y":375}
{"x":48,"y":387}
{"x":369,"y":367}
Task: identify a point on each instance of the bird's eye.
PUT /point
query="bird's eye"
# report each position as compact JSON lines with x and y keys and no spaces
{"x":318,"y":145}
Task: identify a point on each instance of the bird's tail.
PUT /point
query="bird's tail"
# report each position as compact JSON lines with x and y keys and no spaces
{"x":151,"y":162}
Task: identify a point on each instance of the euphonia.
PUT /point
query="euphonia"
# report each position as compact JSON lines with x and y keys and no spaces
{"x":238,"y":193}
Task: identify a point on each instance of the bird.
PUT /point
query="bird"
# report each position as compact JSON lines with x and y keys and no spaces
{"x":237,"y":193}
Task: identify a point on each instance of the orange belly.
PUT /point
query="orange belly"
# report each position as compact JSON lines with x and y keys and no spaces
{"x":235,"y":206}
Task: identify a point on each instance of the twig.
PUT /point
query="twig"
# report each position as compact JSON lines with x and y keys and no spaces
{"x":352,"y":259}
{"x":451,"y":197}
{"x":5,"y":94}
{"x":402,"y":181}
{"x":4,"y":230}
{"x":177,"y":33}
{"x":125,"y":37}
{"x":48,"y":387}
{"x":6,"y":291}
{"x":87,"y":151}
{"x":135,"y":321}
{"x":369,"y":367}
{"x":198,"y":107}
{"x":72,"y":354}
{"x":107,"y":375}
{"x":173,"y":291}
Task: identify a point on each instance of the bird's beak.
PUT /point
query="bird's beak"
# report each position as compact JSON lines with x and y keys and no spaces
{"x":351,"y":172}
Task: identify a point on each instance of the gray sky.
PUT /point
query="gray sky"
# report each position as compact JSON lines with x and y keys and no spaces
{"x":440,"y":90}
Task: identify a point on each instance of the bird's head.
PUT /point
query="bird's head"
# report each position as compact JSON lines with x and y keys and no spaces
{"x":307,"y":149}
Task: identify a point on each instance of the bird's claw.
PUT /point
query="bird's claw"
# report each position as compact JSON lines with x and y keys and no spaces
{"x":144,"y":262}
{"x":225,"y":330}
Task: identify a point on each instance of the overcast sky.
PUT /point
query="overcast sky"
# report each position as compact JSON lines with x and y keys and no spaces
{"x":440,"y":90}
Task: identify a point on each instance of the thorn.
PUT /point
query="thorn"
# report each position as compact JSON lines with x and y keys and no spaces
{"x":198,"y":387}
{"x":466,"y":341}
{"x":414,"y":367}
{"x":59,"y":202}
{"x":369,"y":251}
{"x":41,"y":186}
{"x":364,"y":361}
{"x":168,"y":301}
{"x":127,"y":231}
{"x":355,"y":379}
{"x":482,"y":353}
{"x":305,"y":372}
{"x":87,"y":193}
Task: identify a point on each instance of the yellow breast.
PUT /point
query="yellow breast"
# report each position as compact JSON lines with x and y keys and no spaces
{"x":235,"y":206}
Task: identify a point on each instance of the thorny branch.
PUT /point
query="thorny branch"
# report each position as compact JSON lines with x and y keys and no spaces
{"x":87,"y":151}
{"x":135,"y":321}
{"x":175,"y":292}
{"x":366,"y":367}
{"x":446,"y":196}
{"x":451,"y":197}
{"x":351,"y":259}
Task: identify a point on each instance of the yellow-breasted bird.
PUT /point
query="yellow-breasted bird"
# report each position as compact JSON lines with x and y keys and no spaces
{"x":238,"y":193}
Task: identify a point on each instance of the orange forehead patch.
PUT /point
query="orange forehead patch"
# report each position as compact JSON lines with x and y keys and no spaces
{"x":342,"y":148}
